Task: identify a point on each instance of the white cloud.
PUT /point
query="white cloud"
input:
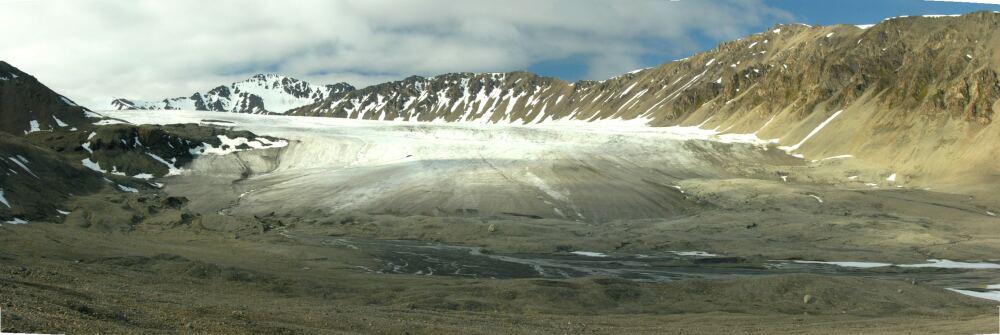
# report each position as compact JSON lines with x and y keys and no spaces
{"x":611,"y":64}
{"x":92,"y":50}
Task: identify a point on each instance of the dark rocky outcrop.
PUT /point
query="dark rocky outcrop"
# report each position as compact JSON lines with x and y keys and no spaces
{"x":27,"y":105}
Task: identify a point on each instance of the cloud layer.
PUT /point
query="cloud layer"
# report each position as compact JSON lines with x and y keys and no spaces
{"x":93,"y":50}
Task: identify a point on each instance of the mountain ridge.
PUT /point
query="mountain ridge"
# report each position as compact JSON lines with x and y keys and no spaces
{"x":264,"y":93}
{"x":626,"y":103}
{"x":913,"y":94}
{"x":27,"y":105}
{"x":928,"y":85}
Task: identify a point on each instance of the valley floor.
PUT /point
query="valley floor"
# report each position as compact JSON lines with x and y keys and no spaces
{"x":186,"y":280}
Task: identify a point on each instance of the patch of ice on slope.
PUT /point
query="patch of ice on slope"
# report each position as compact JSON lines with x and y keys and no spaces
{"x":541,"y":185}
{"x":127,"y":189}
{"x":92,"y":165}
{"x":811,"y":133}
{"x":589,"y":253}
{"x":16,"y":221}
{"x":836,"y":157}
{"x":22,"y":162}
{"x":33,"y":127}
{"x":59,"y":122}
{"x":863,"y":265}
{"x":173,"y":170}
{"x":231,"y":145}
{"x":67,"y":101}
{"x":693,"y":253}
{"x":947,"y":264}
{"x":3,"y":200}
{"x":931,"y":263}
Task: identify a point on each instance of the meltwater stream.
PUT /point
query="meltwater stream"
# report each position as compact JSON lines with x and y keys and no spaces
{"x":437,"y":259}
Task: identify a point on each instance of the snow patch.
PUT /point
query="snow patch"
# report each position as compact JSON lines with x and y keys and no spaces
{"x":863,"y":265}
{"x":16,"y":221}
{"x":838,"y":157}
{"x":143,"y":176}
{"x":230,"y":145}
{"x":67,"y":101}
{"x":22,"y":162}
{"x":92,"y":165}
{"x":127,"y":189}
{"x":589,"y":253}
{"x":994,"y":2}
{"x":3,"y":200}
{"x":637,"y":70}
{"x":33,"y":126}
{"x":541,"y":185}
{"x":173,"y":170}
{"x":931,"y":263}
{"x":59,"y":122}
{"x":693,"y":253}
{"x":947,"y":264}
{"x":812,"y":133}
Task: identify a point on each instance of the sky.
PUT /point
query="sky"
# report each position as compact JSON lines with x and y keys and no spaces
{"x":96,"y":50}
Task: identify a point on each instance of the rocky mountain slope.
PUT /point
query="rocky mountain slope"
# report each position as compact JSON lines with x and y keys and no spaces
{"x":259,"y":94}
{"x":915,"y":94}
{"x":27,"y":106}
{"x":35,"y":180}
{"x":910,"y":62}
{"x":52,"y":150}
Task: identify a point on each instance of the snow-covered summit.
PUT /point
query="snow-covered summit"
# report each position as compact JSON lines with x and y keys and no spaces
{"x":259,"y":94}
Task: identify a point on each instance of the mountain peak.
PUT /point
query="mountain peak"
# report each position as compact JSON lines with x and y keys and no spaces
{"x":268,"y":77}
{"x":262,"y":93}
{"x":8,"y":72}
{"x":29,"y":106}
